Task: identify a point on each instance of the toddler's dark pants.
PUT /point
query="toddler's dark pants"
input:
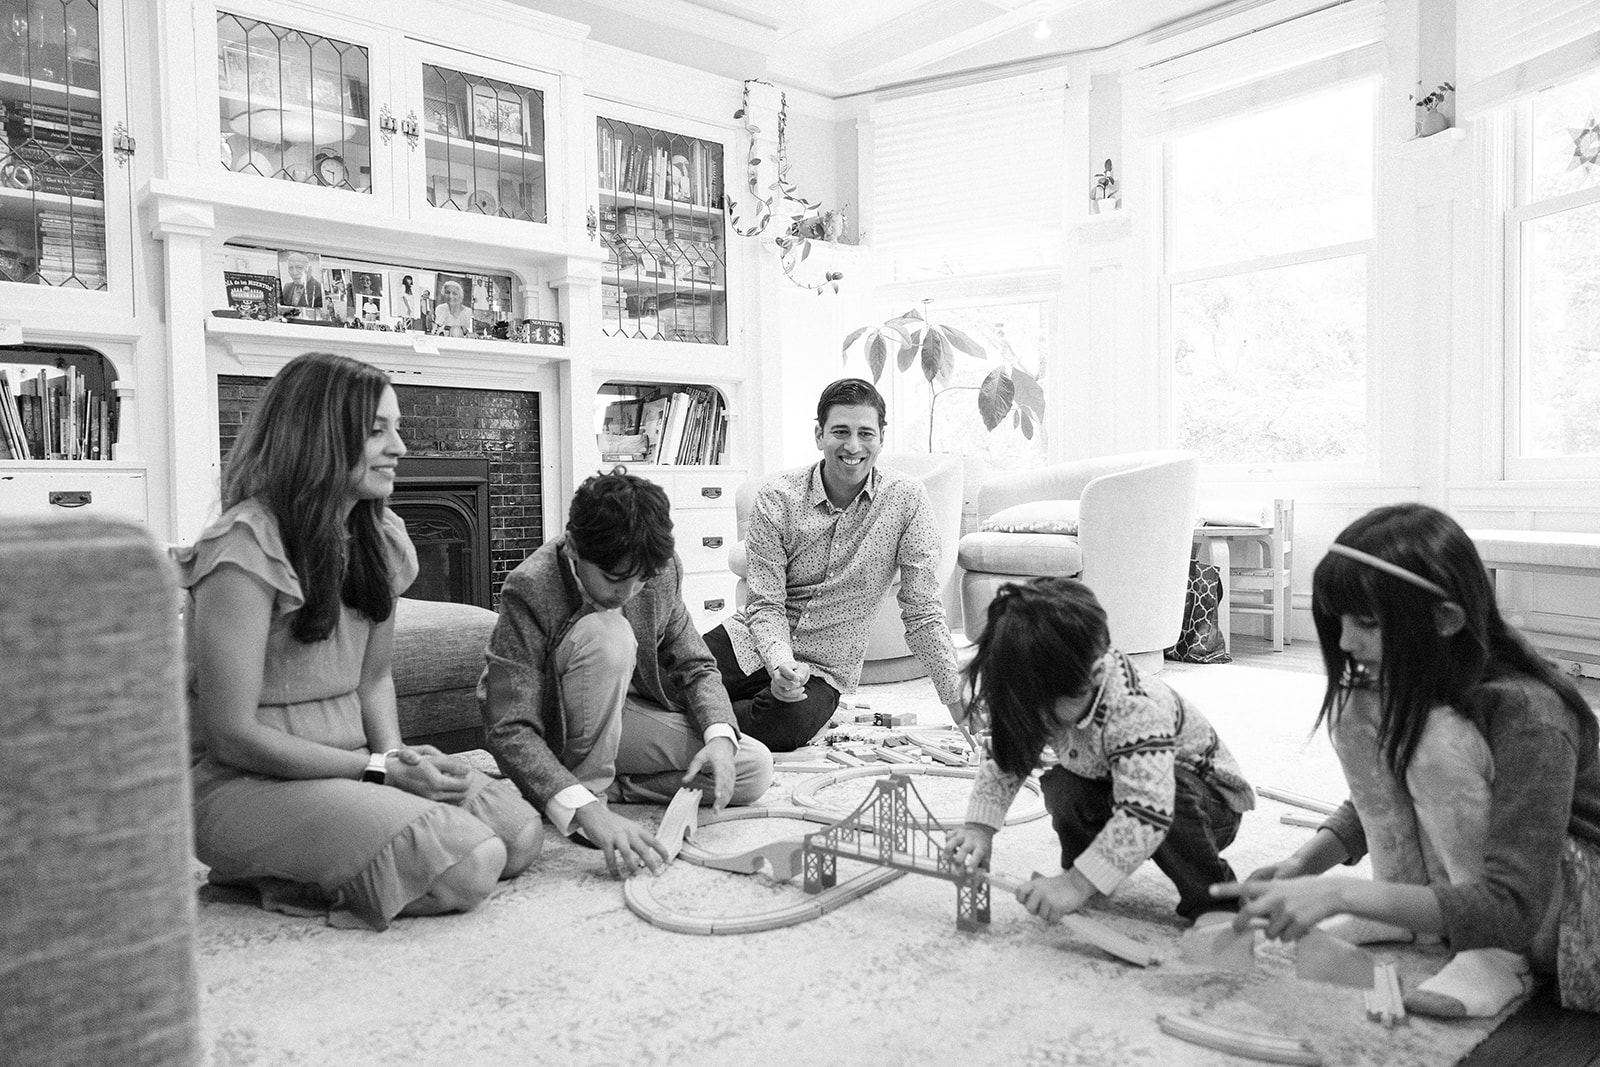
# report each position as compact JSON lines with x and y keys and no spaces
{"x":1202,"y":826}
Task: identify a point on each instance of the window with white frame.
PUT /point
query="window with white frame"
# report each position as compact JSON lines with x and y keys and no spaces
{"x":1552,"y":241}
{"x":1267,"y":266}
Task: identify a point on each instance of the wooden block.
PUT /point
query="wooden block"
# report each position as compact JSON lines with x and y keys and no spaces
{"x":679,"y":821}
{"x":1294,"y":819}
{"x":1321,"y":957}
{"x":845,"y":758}
{"x":889,"y":755}
{"x":942,"y":755}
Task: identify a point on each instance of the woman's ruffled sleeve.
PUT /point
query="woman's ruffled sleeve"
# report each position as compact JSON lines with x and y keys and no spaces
{"x":245,"y":537}
{"x":403,"y":565}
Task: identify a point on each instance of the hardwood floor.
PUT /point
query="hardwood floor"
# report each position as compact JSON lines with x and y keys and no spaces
{"x":1538,"y":1034}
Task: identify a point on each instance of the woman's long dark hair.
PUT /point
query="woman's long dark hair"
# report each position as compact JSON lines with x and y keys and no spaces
{"x":297,"y":455}
{"x":1040,"y":644}
{"x":1421,"y":667}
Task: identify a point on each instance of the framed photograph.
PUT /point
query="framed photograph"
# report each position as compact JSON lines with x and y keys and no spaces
{"x":443,"y":117}
{"x":367,"y":299}
{"x":452,"y":306}
{"x":337,"y":283}
{"x":497,"y":116}
{"x":300,"y":283}
{"x":405,"y":297}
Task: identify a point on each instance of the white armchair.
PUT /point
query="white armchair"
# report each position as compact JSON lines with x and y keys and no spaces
{"x":1132,"y":521}
{"x":887,"y":658}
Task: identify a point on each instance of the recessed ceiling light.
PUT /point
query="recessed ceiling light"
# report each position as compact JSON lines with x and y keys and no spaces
{"x":1041,"y":31}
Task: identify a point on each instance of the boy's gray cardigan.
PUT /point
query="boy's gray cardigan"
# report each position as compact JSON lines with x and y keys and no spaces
{"x":525,"y":718}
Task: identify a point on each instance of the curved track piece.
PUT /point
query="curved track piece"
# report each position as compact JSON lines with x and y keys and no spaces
{"x":640,"y":898}
{"x":1273,"y":1048}
{"x":694,"y":853}
{"x":805,"y":794}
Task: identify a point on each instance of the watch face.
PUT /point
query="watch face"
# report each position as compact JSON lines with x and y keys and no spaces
{"x":331,"y":169}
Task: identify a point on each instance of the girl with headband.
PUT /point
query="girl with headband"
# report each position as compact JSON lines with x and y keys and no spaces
{"x":1473,"y":776}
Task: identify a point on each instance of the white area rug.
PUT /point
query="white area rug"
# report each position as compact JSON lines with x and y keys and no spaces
{"x":555,"y":970}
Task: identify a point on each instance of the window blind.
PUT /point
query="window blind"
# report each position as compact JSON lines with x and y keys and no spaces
{"x":1268,"y":39}
{"x":968,"y":180}
{"x":1505,"y":49}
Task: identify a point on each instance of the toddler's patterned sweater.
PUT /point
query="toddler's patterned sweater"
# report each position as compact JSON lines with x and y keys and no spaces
{"x":1133,"y":733}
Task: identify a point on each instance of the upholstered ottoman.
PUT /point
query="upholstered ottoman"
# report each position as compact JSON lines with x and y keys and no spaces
{"x":438,"y":656}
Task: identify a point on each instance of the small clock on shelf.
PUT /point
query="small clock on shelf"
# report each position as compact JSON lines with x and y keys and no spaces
{"x":330,"y":168}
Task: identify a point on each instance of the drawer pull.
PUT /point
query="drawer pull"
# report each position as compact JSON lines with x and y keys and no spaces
{"x":715,"y":605}
{"x":711,"y":492}
{"x":711,"y":542}
{"x":71,"y":498}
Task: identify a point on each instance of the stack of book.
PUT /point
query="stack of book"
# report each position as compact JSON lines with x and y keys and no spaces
{"x":632,"y":163}
{"x":61,"y":147}
{"x":686,"y":316}
{"x":55,"y":417}
{"x":72,"y":248}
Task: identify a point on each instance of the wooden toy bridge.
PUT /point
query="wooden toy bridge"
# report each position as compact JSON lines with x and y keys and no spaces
{"x":885,"y":831}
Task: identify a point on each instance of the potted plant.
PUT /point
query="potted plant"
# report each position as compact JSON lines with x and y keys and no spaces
{"x":1430,"y":120}
{"x":1007,"y":391}
{"x":1104,"y":194}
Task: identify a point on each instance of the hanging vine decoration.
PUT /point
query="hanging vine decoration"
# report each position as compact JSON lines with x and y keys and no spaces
{"x":798,"y":215}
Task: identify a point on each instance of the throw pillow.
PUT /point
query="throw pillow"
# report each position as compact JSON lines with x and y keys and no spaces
{"x":1036,"y":516}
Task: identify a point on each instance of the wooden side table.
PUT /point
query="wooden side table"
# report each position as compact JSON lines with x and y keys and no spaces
{"x":1266,"y":585}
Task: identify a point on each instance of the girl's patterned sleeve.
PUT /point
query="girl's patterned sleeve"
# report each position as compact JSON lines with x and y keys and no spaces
{"x":992,"y":795}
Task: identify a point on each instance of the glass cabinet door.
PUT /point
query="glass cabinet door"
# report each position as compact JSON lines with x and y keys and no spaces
{"x":662,"y":225}
{"x":294,"y":104}
{"x":52,"y":169}
{"x":485,"y":145}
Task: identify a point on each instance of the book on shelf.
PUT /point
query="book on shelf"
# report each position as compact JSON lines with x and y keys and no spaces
{"x":652,"y":421}
{"x":57,"y":417}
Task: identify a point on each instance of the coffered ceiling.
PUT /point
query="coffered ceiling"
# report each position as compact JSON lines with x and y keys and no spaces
{"x":841,"y":47}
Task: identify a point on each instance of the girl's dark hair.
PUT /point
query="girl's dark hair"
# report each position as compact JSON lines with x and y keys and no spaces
{"x":621,"y":522}
{"x":1421,"y":668}
{"x":297,"y":455}
{"x":1040,"y":644}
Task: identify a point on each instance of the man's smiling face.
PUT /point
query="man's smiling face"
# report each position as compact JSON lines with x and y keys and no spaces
{"x":850,"y":441}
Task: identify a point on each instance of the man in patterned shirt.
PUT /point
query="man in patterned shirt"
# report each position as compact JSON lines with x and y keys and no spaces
{"x":825,"y":542}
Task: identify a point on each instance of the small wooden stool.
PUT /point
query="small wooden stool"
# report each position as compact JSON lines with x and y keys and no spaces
{"x":1267,"y":585}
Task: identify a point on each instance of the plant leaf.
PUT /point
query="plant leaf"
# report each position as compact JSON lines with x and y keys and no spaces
{"x":1030,"y":394}
{"x":995,"y":396}
{"x":907,"y":354}
{"x":850,"y":340}
{"x":877,"y":354}
{"x":1027,"y":423}
{"x":903,"y":321}
{"x":963,"y":342}
{"x":914,"y":313}
{"x":933,"y":356}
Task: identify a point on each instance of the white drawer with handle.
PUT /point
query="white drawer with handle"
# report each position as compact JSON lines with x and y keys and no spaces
{"x":73,"y":492}
{"x":703,"y":537}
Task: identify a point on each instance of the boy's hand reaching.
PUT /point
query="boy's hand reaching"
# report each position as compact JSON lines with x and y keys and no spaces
{"x":1051,"y":898}
{"x":970,"y":846}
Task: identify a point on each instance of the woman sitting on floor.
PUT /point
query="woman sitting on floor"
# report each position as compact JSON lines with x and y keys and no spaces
{"x":302,"y":787}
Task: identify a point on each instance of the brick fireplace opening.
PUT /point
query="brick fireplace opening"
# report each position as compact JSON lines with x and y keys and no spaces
{"x":498,"y":431}
{"x":445,"y":503}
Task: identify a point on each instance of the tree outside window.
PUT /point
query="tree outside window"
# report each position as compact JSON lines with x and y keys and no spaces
{"x":1268,"y":256}
{"x":1553,"y":244}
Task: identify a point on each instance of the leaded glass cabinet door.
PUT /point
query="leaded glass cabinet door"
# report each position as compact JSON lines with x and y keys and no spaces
{"x":484,"y":142}
{"x":58,"y":170}
{"x":661,"y":222}
{"x":294,"y":104}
